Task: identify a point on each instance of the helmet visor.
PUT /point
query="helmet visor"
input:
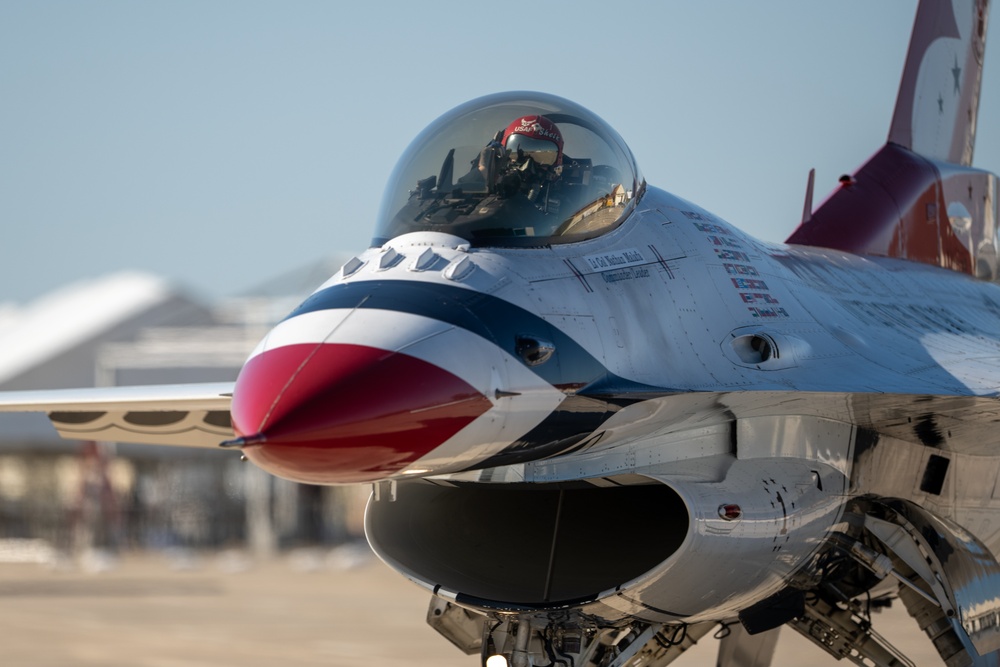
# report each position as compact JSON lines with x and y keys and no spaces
{"x":542,"y":151}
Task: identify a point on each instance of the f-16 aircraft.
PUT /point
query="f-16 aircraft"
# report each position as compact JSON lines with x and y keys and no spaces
{"x":602,"y":423}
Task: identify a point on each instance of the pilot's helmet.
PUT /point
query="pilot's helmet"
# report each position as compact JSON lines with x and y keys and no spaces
{"x":537,"y":137}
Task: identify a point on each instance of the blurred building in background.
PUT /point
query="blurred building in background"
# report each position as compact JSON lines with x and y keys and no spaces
{"x":128,"y":329}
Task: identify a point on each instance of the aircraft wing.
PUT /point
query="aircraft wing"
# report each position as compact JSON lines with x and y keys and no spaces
{"x":188,"y":415}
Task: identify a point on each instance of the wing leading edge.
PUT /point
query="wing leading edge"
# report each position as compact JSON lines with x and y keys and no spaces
{"x":186,"y":415}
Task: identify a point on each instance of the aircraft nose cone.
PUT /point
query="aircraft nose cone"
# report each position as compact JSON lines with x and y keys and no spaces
{"x":331,"y":413}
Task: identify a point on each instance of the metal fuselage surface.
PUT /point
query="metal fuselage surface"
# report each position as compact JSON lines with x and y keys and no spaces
{"x":784,"y":380}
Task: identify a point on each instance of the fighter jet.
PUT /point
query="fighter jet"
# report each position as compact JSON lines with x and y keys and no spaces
{"x":602,"y":423}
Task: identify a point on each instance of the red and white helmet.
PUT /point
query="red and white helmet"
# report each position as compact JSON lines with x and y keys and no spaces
{"x":536,"y":136}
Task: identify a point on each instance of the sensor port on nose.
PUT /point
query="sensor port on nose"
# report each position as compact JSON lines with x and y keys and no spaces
{"x":534,"y":351}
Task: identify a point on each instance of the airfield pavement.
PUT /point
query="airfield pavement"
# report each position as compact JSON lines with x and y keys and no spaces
{"x":305,"y":608}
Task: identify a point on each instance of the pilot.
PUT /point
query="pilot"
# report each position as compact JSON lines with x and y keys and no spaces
{"x":534,"y":146}
{"x":534,"y":137}
{"x":524,"y":158}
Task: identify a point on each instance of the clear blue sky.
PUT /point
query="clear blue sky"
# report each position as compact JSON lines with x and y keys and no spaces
{"x":222,"y":143}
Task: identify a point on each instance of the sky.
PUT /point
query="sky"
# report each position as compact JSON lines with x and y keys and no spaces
{"x":220,"y":144}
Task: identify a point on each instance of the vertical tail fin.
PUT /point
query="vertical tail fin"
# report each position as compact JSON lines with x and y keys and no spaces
{"x":938,"y":97}
{"x":918,"y":198}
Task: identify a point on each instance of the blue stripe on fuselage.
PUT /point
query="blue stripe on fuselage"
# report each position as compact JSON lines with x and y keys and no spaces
{"x":571,"y":369}
{"x":499,"y":321}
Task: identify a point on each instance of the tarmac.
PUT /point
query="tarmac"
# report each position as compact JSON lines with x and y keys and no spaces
{"x":336,"y":608}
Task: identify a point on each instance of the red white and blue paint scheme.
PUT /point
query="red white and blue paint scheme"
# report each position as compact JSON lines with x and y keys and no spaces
{"x":601,"y":421}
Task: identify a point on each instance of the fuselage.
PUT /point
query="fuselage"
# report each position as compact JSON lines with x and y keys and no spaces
{"x":674,"y":301}
{"x":673,"y":347}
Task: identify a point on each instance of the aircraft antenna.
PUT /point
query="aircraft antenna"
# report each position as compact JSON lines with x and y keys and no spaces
{"x":807,"y":208}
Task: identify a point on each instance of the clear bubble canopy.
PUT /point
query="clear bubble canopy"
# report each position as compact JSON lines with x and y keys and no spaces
{"x":513,"y":169}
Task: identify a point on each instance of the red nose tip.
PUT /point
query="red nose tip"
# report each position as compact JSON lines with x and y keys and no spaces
{"x":336,"y":413}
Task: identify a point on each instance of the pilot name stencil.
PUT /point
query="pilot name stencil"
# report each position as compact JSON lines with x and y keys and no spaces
{"x":621,"y":259}
{"x":625,"y":274}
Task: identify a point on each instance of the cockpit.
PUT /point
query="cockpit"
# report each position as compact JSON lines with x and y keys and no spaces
{"x":513,"y":169}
